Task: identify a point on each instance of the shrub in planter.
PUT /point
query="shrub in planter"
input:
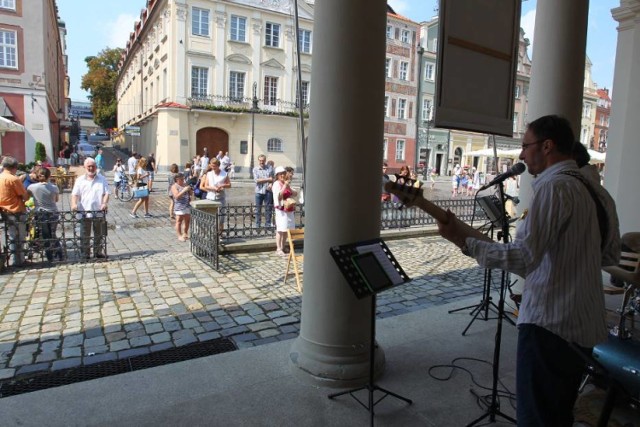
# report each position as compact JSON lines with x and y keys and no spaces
{"x":41,"y":152}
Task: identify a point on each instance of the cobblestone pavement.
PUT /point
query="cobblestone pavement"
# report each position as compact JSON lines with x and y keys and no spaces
{"x":152,"y":294}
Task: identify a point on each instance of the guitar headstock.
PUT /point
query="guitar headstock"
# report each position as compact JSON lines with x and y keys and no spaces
{"x":407,"y":194}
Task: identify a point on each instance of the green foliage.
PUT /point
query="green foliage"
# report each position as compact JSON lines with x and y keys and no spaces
{"x":41,"y":152}
{"x":26,"y":167}
{"x":100,"y":82}
{"x":248,"y":110}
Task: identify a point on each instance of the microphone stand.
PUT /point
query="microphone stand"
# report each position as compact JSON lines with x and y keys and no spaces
{"x":494,"y":407}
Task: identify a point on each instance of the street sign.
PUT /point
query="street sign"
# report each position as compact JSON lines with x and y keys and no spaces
{"x":132,"y":130}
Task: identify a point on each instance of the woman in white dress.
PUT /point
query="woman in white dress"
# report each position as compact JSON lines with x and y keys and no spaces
{"x":284,"y":212}
{"x":214,"y":182}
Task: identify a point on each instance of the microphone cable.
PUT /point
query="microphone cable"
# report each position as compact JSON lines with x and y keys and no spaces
{"x":483,"y":400}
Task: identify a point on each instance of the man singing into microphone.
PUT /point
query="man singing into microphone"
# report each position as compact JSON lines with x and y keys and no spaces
{"x":557,"y":249}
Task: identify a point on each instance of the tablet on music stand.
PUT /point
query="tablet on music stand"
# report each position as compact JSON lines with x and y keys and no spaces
{"x":372,"y":272}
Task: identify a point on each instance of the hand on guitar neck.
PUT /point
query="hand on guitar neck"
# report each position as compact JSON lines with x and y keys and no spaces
{"x":450,"y":227}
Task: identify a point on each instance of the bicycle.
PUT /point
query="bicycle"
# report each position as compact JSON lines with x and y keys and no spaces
{"x":123,"y":190}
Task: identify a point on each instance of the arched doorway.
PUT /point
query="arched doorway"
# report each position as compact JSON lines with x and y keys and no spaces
{"x":214,"y":139}
{"x":457,"y":156}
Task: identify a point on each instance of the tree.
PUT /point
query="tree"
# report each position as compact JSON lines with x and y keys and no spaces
{"x":41,"y":152}
{"x":100,"y":82}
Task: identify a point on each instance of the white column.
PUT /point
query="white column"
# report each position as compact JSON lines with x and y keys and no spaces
{"x":623,"y":144}
{"x":557,"y":68}
{"x":343,"y":187}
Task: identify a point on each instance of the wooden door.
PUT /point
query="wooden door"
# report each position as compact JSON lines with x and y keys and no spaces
{"x":214,"y":139}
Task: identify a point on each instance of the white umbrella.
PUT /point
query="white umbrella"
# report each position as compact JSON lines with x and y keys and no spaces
{"x":7,"y":125}
{"x":596,"y":156}
{"x":488,"y":152}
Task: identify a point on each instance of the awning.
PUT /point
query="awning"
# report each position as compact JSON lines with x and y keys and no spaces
{"x":7,"y":125}
{"x":596,"y":156}
{"x":488,"y":152}
{"x":5,"y":111}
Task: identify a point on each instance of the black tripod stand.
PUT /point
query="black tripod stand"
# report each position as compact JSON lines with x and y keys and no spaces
{"x":481,"y":310}
{"x":371,"y":386}
{"x":493,"y":409}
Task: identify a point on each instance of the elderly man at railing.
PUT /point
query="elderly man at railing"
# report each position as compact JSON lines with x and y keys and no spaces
{"x":12,"y":198}
{"x":90,"y":196}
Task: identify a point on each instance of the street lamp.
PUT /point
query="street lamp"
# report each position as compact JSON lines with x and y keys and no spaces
{"x":254,"y":108}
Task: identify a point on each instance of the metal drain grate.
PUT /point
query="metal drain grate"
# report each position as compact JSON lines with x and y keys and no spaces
{"x":43,"y":381}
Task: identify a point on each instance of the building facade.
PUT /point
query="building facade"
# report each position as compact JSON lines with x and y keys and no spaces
{"x":219,"y":75}
{"x":33,"y":76}
{"x":589,"y":106}
{"x":603,"y":114}
{"x":433,"y":143}
{"x":401,"y":89}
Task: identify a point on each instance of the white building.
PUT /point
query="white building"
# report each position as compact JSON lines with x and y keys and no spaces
{"x":191,"y":70}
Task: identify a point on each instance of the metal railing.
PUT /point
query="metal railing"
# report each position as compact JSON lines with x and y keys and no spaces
{"x":52,"y":237}
{"x":393,"y":217}
{"x":204,"y":237}
{"x":244,"y":105}
{"x":239,"y":222}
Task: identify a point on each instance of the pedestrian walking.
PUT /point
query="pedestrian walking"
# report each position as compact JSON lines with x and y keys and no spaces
{"x":182,"y":193}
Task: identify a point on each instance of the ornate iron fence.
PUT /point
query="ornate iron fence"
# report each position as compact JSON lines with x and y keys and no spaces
{"x":244,"y":105}
{"x":204,"y":237}
{"x":52,"y":237}
{"x":393,"y":217}
{"x":239,"y":222}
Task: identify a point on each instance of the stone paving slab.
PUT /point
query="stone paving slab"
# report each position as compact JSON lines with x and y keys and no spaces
{"x":152,"y":294}
{"x":63,"y":316}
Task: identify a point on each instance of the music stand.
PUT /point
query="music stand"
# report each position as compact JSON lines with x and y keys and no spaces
{"x":369,"y":268}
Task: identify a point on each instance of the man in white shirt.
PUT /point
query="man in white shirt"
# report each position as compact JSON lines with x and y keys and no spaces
{"x":131,"y":166}
{"x":558,"y":251}
{"x":204,"y":163}
{"x":89,"y":197}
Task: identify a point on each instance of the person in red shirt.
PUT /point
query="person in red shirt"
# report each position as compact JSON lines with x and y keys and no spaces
{"x":12,"y":198}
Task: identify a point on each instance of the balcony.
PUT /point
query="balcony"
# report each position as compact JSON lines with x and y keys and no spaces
{"x":245,"y":105}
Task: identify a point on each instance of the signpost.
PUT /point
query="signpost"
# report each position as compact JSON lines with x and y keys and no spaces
{"x":132,"y":131}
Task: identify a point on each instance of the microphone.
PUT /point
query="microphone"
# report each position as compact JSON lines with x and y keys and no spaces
{"x":516,"y":169}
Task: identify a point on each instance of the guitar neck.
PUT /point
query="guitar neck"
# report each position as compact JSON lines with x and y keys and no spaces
{"x":412,"y":196}
{"x":432,"y":209}
{"x":440,"y":215}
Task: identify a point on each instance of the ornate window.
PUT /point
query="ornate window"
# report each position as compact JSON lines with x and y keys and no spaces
{"x":236,"y":86}
{"x":238,"y":28}
{"x":305,"y":41}
{"x":8,"y":4}
{"x":400,"y":149}
{"x":8,"y":49}
{"x":199,"y":81}
{"x":274,"y":145}
{"x":272,"y":35}
{"x":270,"y":90}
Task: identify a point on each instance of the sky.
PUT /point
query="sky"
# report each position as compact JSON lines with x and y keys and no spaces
{"x":602,"y":34}
{"x":95,"y":25}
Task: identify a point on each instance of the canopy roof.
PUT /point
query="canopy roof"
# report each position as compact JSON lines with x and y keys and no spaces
{"x":7,"y":125}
